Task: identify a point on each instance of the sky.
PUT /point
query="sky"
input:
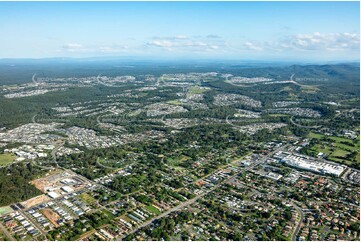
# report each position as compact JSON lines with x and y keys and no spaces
{"x":320,"y":31}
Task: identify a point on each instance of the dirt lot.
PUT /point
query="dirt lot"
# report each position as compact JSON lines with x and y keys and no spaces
{"x":35,"y":201}
{"x":50,"y":179}
{"x":51,"y":215}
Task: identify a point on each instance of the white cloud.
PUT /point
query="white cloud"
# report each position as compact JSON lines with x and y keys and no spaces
{"x":317,"y":42}
{"x":213,"y":36}
{"x":328,"y":41}
{"x":187,"y":43}
{"x":113,"y":48}
{"x":181,"y":37}
{"x":74,"y":47}
{"x":309,"y":42}
{"x":250,"y":45}
{"x":79,"y":48}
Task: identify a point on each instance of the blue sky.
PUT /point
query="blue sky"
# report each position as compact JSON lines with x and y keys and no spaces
{"x":215,"y":30}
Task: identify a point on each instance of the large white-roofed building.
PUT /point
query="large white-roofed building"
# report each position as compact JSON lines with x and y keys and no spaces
{"x":310,"y":164}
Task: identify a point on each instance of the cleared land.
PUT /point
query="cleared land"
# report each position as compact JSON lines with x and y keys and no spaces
{"x":197,"y":90}
{"x":35,"y":201}
{"x":6,"y":159}
{"x":44,"y":182}
{"x":51,"y":215}
{"x":174,"y":102}
{"x":87,"y":198}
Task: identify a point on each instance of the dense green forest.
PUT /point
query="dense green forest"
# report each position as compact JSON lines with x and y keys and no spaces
{"x":14,"y":183}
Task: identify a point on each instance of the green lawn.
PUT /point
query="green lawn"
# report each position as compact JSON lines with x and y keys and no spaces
{"x":177,"y":159}
{"x":309,"y":89}
{"x":316,"y":136}
{"x":278,"y":115}
{"x":340,"y":152}
{"x":152,"y":209}
{"x":321,"y":148}
{"x":87,"y":198}
{"x":197,"y":90}
{"x":335,"y":150}
{"x":174,"y":102}
{"x":5,"y":210}
{"x":6,"y":159}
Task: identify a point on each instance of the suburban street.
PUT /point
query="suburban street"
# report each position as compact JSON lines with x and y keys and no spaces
{"x":193,"y":200}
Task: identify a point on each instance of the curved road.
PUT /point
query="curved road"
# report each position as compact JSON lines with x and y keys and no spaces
{"x":98,"y":79}
{"x":298,"y":227}
{"x":111,"y":128}
{"x":33,"y":79}
{"x":33,"y":119}
{"x":291,"y":78}
{"x":302,"y":126}
{"x":230,"y":123}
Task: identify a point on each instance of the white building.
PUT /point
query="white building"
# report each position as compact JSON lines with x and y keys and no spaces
{"x":53,"y":194}
{"x":67,"y":189}
{"x":310,"y":164}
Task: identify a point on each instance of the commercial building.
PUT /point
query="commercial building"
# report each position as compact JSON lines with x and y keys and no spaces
{"x":310,"y":164}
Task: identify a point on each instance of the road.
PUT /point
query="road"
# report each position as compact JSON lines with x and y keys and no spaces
{"x":53,"y":155}
{"x":230,"y":123}
{"x":180,"y":206}
{"x":302,"y":126}
{"x":346,"y":111}
{"x":113,"y":168}
{"x":116,"y":130}
{"x":291,"y":78}
{"x":56,"y":148}
{"x":33,"y":119}
{"x":193,"y":200}
{"x":33,"y":79}
{"x":31,"y":219}
{"x":298,"y":227}
{"x":98,"y":79}
{"x":337,"y":201}
{"x":6,"y":232}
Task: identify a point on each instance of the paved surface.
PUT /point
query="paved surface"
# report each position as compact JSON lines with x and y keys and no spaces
{"x":298,"y":227}
{"x":33,"y":79}
{"x":6,"y":232}
{"x":302,"y":126}
{"x":190,"y":201}
{"x":33,"y":119}
{"x":31,"y":219}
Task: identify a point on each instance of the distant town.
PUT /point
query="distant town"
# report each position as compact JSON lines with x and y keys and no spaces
{"x":182,"y":156}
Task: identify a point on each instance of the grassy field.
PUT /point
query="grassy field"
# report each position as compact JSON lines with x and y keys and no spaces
{"x":316,"y":136}
{"x":287,"y":89}
{"x":152,"y":209}
{"x":278,"y":115}
{"x":3,"y":237}
{"x":5,"y":210}
{"x":6,"y":159}
{"x":87,"y":198}
{"x":309,"y":89}
{"x":338,"y":149}
{"x":197,"y":90}
{"x":176,"y":161}
{"x":174,"y":102}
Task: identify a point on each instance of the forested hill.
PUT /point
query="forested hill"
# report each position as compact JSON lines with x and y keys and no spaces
{"x":17,"y":72}
{"x":338,"y":72}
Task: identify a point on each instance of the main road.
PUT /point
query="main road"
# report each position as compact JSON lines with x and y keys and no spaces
{"x":193,"y":200}
{"x":302,"y":126}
